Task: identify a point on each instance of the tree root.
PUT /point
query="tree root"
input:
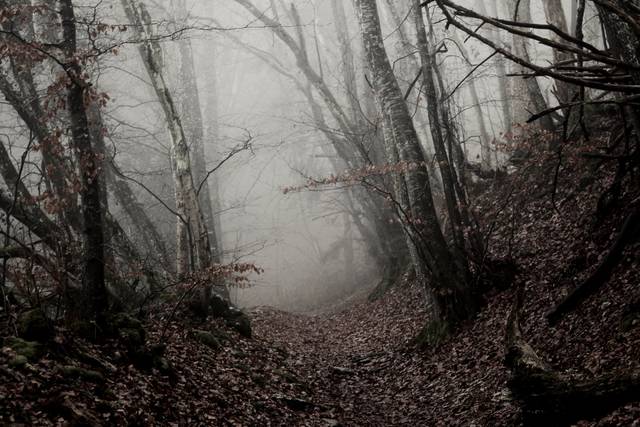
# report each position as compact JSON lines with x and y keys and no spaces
{"x":629,"y":233}
{"x":549,"y":398}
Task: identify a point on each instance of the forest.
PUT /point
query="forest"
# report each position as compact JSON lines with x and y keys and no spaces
{"x":320,"y":212}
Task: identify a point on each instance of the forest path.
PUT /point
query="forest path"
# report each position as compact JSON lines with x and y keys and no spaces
{"x":352,"y":358}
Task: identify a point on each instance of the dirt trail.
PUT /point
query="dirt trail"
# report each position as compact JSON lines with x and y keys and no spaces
{"x":353,"y":357}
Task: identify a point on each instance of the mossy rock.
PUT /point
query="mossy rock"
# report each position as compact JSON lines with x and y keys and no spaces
{"x":630,"y":316}
{"x":432,"y":335}
{"x":120,"y":321}
{"x":207,"y":338}
{"x":131,"y":338}
{"x":163,"y":365}
{"x":127,"y":329}
{"x":33,"y":325}
{"x":221,"y":335}
{"x":241,"y":323}
{"x":219,"y":305}
{"x":18,"y":362}
{"x":29,"y":349}
{"x":75,"y":372}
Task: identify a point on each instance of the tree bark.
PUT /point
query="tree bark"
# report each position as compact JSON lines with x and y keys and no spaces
{"x":194,"y":125}
{"x":448,"y":286}
{"x":192,"y":242}
{"x":555,"y":16}
{"x":526,"y":91}
{"x":433,"y":110}
{"x":90,"y":194}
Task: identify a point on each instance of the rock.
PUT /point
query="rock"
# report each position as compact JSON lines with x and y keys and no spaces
{"x":18,"y":362}
{"x":33,"y":325}
{"x":28,"y":349}
{"x":75,"y":372}
{"x":131,"y":338}
{"x":219,"y":305}
{"x":330,"y":422}
{"x":297,"y":404}
{"x":343,"y":371}
{"x":239,"y":321}
{"x":128,"y":329}
{"x":207,"y":338}
{"x":163,"y":366}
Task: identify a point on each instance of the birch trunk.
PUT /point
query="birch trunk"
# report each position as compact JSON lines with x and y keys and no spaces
{"x":195,"y":126}
{"x":192,"y":241}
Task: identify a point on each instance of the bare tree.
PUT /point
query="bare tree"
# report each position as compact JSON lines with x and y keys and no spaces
{"x":449,"y":293}
{"x":193,"y":248}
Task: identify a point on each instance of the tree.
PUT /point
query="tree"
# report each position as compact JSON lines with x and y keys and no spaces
{"x":193,"y":248}
{"x":526,"y":91}
{"x":90,"y":194}
{"x":448,"y":288}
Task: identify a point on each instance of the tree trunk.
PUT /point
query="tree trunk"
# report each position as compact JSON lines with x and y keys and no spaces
{"x":193,"y":249}
{"x":348,"y":63}
{"x":555,"y":15}
{"x":192,"y":114}
{"x":501,"y":69}
{"x":93,"y":275}
{"x":485,"y":142}
{"x":448,"y":285}
{"x":526,"y":91}
{"x":433,"y":110}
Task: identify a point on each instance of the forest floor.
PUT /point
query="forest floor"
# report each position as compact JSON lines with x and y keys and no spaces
{"x":353,"y":364}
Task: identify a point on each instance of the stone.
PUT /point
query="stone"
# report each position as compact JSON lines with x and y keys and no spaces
{"x":29,"y":349}
{"x":75,"y":372}
{"x":207,"y":338}
{"x":219,"y":305}
{"x":242,"y":324}
{"x":128,"y":329}
{"x":33,"y":325}
{"x":18,"y":362}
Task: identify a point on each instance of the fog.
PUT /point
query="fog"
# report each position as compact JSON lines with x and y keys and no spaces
{"x":260,"y":133}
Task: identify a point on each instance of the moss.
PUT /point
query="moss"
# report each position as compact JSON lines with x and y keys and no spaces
{"x":18,"y":362}
{"x":29,"y":349}
{"x":431,"y":335}
{"x":131,"y":338}
{"x":208,"y":339}
{"x":75,"y":372}
{"x":127,"y":329}
{"x":33,"y":325}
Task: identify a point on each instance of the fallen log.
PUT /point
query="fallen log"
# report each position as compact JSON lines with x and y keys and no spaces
{"x":628,"y":234}
{"x":549,"y":398}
